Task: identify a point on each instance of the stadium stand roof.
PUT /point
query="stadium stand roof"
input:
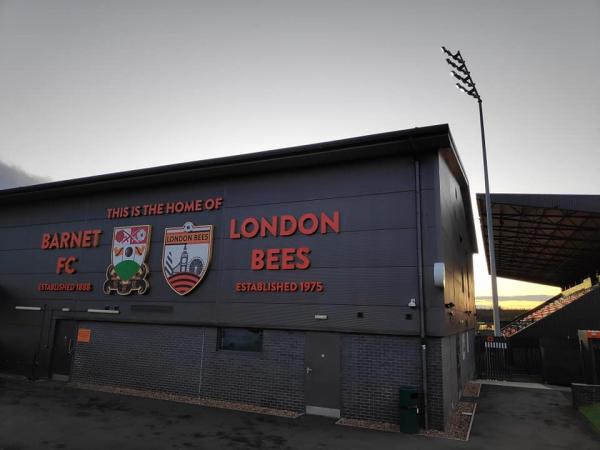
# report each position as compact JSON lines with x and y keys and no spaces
{"x":541,"y":238}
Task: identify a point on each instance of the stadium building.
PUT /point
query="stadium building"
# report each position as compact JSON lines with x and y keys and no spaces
{"x":553,"y":240}
{"x":320,"y":279}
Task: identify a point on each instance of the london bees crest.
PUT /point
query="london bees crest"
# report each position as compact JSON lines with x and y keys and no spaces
{"x":187,"y":252}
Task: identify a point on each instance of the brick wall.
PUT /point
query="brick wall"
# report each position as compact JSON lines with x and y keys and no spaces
{"x":585,"y":394}
{"x":435,"y":384}
{"x":151,"y":357}
{"x":272,"y":378}
{"x":185,"y":360}
{"x":374,"y":368}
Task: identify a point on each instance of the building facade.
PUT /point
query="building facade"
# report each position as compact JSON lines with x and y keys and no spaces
{"x":298,"y":279}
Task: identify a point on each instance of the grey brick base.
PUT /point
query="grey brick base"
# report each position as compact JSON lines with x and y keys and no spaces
{"x":373,"y":369}
{"x":185,"y":360}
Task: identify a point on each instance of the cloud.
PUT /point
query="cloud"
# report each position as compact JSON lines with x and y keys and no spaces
{"x":11,"y":177}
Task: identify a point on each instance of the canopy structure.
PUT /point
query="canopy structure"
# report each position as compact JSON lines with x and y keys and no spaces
{"x":546,"y":239}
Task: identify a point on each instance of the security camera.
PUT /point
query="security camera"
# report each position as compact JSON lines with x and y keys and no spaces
{"x":412,"y":304}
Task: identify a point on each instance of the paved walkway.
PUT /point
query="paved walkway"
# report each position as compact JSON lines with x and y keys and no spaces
{"x":51,"y":415}
{"x":523,"y":384}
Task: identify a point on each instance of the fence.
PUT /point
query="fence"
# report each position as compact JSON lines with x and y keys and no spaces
{"x":499,"y":358}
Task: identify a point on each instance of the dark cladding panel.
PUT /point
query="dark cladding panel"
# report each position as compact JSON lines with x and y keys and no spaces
{"x":360,"y":212}
{"x":359,"y":286}
{"x":389,"y":319}
{"x":341,"y":180}
{"x":376,"y":248}
{"x":456,"y":251}
{"x":370,"y":263}
{"x":365,"y":212}
{"x":25,"y":214}
{"x":362,"y":286}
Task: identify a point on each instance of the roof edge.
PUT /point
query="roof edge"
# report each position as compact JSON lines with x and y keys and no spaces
{"x":254,"y":157}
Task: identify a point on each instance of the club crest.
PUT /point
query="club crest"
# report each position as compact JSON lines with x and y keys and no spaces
{"x":128,"y":271}
{"x":187,"y":251}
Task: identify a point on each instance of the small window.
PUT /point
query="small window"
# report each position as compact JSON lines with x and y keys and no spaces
{"x":240,"y":339}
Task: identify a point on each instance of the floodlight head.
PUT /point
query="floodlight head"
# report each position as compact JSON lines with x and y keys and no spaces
{"x":472,"y":91}
{"x":467,"y":80}
{"x":456,"y":56}
{"x":462,"y":68}
{"x":452,"y":63}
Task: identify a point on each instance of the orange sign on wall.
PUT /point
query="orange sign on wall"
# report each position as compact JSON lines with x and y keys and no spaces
{"x":593,"y":334}
{"x":84,"y":335}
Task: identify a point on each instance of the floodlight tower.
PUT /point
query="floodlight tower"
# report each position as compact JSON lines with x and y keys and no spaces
{"x":467,"y":85}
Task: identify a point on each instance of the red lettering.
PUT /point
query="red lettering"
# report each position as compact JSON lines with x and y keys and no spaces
{"x":64,"y":240}
{"x":96,"y":234}
{"x":54,"y":241}
{"x":76,"y":239}
{"x":332,"y":223}
{"x":45,"y":241}
{"x":304,"y":261}
{"x":249,"y":234}
{"x":258,"y":259}
{"x":287,"y":225}
{"x":87,"y":239}
{"x":218,"y":202}
{"x":271,"y":226}
{"x":189,"y":207}
{"x":287,"y":258}
{"x":314,"y":224}
{"x":232,"y":233}
{"x":281,"y":259}
{"x":65,"y":264}
{"x":273,"y":258}
{"x":209,"y":204}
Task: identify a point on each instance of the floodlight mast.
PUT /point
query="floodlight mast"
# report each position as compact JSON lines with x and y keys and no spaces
{"x":467,"y":85}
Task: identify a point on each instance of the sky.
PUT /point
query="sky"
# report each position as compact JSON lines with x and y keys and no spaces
{"x":90,"y":87}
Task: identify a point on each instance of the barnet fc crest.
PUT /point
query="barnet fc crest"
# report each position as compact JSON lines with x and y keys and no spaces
{"x":128,"y":271}
{"x":186,"y":256}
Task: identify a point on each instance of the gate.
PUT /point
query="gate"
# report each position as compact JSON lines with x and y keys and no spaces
{"x":491,"y":353}
{"x":500,"y":358}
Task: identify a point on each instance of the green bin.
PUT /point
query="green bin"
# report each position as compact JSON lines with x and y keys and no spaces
{"x":409,"y":410}
{"x":409,"y":397}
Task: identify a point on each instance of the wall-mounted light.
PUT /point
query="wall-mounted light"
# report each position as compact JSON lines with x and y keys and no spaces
{"x":28,"y":308}
{"x":103,"y":311}
{"x":412,"y":303}
{"x":449,"y":305}
{"x":321,"y":316}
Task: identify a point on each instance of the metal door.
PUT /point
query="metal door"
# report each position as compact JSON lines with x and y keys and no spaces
{"x":62,"y":353}
{"x":322,"y":371}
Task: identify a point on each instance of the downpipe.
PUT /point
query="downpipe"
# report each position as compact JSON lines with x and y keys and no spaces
{"x":421,"y":291}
